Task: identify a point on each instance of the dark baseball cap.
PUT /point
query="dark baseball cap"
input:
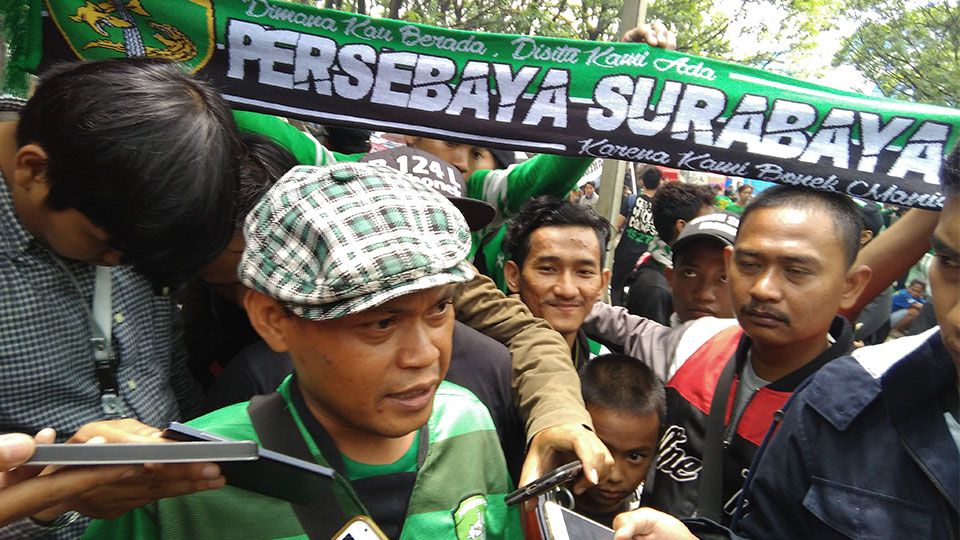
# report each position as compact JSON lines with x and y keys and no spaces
{"x":720,"y":226}
{"x":438,"y":175}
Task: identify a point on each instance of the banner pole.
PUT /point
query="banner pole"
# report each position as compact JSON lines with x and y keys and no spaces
{"x":632,"y":14}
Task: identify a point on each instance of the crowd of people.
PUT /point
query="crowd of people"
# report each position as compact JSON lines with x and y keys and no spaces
{"x":165,"y":258}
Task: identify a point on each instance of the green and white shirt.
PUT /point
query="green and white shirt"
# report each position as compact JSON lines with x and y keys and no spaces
{"x":458,"y":492}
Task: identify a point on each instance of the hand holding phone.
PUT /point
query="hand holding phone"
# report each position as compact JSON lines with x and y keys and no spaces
{"x":556,"y":478}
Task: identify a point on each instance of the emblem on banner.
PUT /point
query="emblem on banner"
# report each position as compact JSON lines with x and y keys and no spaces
{"x":137,"y":28}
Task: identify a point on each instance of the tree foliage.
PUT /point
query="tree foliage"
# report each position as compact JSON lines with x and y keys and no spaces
{"x":704,"y":27}
{"x":909,"y":52}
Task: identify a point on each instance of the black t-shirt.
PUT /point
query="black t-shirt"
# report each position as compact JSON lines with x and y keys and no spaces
{"x":650,"y":294}
{"x":477,"y":363}
{"x":215,"y":330}
{"x":637,"y":233}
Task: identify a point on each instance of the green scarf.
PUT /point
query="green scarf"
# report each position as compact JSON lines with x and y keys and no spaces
{"x":607,"y":100}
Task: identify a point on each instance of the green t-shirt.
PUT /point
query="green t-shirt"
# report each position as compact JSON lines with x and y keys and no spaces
{"x":461,"y":482}
{"x":407,"y":463}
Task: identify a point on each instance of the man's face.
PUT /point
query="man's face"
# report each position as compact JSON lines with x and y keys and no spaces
{"x":588,"y":190}
{"x":480,"y":159}
{"x":745,"y":195}
{"x":221,"y":272}
{"x":561,"y":277}
{"x":945,"y":276}
{"x":632,"y":440}
{"x":699,"y":281}
{"x":375,"y":372}
{"x":466,"y":158}
{"x":72,"y":235}
{"x":68,"y":233}
{"x":916,"y":290}
{"x":787,"y":275}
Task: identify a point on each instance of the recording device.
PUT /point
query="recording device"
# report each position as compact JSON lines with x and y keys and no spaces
{"x":273,"y":474}
{"x":559,"y":523}
{"x":360,"y":528}
{"x":136,"y":453}
{"x":554,"y":479}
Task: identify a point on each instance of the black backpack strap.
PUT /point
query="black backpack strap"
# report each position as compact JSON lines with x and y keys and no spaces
{"x":322,"y":518}
{"x":742,"y":501}
{"x":710,"y":486}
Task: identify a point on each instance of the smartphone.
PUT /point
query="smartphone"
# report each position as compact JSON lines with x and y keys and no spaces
{"x":559,"y":523}
{"x":360,"y":528}
{"x":556,"y":478}
{"x":273,"y":474}
{"x":133,"y":453}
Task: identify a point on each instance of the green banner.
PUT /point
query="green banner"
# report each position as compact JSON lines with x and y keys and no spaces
{"x":578,"y":98}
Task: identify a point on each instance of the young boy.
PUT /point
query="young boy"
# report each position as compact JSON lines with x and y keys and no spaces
{"x":627,"y":404}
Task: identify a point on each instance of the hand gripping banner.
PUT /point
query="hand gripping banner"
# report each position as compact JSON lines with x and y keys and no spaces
{"x":578,"y":98}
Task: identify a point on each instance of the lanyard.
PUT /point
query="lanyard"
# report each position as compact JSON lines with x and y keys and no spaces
{"x":101,"y":328}
{"x":104,"y":357}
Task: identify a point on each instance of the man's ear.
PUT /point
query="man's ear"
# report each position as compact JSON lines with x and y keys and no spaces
{"x":857,"y":278}
{"x":30,"y":171}
{"x":511,"y":273}
{"x":728,"y":258}
{"x":605,"y":276}
{"x":268,"y":318}
{"x":678,"y":226}
{"x":866,"y":236}
{"x":668,"y":272}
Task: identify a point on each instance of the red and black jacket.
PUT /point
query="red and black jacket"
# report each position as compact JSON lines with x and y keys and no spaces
{"x":689,"y":395}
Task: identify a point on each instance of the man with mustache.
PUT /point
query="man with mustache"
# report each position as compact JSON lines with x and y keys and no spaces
{"x":790,"y":271}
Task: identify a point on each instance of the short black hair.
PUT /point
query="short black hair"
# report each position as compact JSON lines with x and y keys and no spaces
{"x":845,"y":213}
{"x":347,"y":140}
{"x":675,"y":201}
{"x":870,"y":217}
{"x":651,"y":177}
{"x":622,"y":383}
{"x":950,"y":173}
{"x":502,"y":158}
{"x":592,"y":184}
{"x":742,"y":187}
{"x":547,"y":211}
{"x":145,"y":152}
{"x":916,"y":281}
{"x":263,"y":164}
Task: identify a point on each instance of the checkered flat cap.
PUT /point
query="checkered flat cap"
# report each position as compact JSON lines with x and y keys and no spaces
{"x":328,"y":242}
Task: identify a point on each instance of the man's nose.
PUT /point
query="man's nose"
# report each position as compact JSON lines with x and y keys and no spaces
{"x":766,"y":287}
{"x":565,"y":286}
{"x":419,"y":349}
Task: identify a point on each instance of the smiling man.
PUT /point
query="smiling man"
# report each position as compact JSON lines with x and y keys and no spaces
{"x":353,"y":271}
{"x":555,"y":254}
{"x":789,"y":272}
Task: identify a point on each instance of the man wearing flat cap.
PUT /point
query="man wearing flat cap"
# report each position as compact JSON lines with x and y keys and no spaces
{"x":353,"y":271}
